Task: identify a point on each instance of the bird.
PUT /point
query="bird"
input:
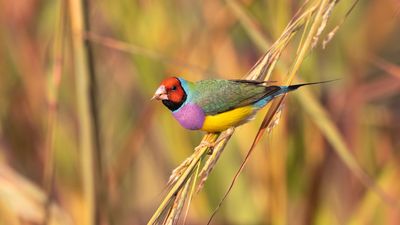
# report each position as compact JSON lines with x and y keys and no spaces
{"x":215,"y":105}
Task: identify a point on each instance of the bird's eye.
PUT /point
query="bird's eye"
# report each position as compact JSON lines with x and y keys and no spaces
{"x":173,"y":88}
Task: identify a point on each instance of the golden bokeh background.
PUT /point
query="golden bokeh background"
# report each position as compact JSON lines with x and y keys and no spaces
{"x":295,"y":176}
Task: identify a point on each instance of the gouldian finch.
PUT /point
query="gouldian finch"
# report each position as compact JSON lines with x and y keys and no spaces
{"x":216,"y":105}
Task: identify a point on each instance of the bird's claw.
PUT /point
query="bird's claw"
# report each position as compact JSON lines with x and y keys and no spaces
{"x":207,"y":144}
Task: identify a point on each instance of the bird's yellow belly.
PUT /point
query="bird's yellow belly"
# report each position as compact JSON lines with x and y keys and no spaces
{"x":225,"y":120}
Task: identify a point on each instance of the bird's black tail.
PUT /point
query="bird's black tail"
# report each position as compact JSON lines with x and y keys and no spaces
{"x":295,"y":86}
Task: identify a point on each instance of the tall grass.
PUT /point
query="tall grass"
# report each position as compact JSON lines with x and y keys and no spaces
{"x":85,"y":92}
{"x":70,"y":154}
{"x":315,"y":18}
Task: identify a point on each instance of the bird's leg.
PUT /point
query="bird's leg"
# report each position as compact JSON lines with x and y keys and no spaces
{"x":211,"y":145}
{"x":225,"y":135}
{"x":207,"y":144}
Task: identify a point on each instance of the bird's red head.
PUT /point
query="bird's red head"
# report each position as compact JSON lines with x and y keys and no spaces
{"x":171,"y":93}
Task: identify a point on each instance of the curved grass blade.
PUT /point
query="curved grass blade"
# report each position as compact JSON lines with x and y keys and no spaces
{"x":182,"y":179}
{"x":306,"y":46}
{"x":330,"y":132}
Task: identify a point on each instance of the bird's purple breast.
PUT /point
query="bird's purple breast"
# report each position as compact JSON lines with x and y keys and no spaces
{"x":190,"y":116}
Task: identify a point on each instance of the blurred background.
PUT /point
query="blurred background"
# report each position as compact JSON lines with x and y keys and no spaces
{"x":294,"y":175}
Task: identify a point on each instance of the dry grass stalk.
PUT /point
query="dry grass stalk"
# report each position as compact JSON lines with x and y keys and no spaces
{"x":176,"y":209}
{"x":314,"y":18}
{"x":52,"y":98}
{"x":83,"y":67}
{"x":276,"y":104}
{"x":332,"y":33}
{"x":181,"y":181}
{"x":321,"y":118}
{"x":212,"y":160}
{"x":261,"y":70}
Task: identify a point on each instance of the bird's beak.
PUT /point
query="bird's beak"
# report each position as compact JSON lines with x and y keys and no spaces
{"x":161,"y":94}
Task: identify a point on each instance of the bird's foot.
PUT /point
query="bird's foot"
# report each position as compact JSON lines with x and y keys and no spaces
{"x":209,"y":145}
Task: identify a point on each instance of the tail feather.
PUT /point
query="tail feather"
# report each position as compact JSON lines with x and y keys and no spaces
{"x":274,"y":91}
{"x":295,"y":86}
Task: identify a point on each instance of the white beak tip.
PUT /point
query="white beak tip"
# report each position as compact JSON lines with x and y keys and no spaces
{"x":160,"y":94}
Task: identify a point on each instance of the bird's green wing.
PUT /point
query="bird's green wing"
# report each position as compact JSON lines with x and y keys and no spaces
{"x":217,"y":96}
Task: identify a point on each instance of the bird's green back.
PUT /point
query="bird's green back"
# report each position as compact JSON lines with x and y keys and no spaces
{"x":217,"y":96}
